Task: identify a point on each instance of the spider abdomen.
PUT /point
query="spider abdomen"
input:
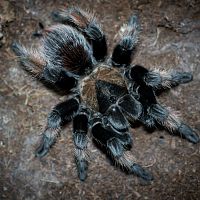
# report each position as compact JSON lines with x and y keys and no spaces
{"x":102,"y":88}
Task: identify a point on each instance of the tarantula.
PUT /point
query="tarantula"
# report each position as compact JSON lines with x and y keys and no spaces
{"x":105,"y":96}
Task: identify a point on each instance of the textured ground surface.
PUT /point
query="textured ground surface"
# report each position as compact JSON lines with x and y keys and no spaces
{"x":170,"y":39}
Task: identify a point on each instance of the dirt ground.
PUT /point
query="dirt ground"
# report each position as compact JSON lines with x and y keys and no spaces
{"x":170,"y":38}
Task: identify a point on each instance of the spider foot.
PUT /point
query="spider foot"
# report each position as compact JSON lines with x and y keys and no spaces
{"x":188,"y":133}
{"x":82,"y":167}
{"x":140,"y":172}
{"x":182,"y":77}
{"x":44,"y":146}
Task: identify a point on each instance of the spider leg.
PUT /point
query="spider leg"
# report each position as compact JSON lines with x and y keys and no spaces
{"x":146,"y":97}
{"x":158,"y":79}
{"x":154,"y":113}
{"x":125,"y":159}
{"x":172,"y":123}
{"x":116,"y":145}
{"x":130,"y":107}
{"x":80,"y":129}
{"x":87,"y":24}
{"x":166,"y":79}
{"x":116,"y":119}
{"x":128,"y":39}
{"x":63,"y":57}
{"x":60,"y":115}
{"x":32,"y":60}
{"x":35,"y":63}
{"x":65,"y":47}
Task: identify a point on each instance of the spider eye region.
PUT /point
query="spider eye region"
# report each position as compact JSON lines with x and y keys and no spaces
{"x":102,"y":88}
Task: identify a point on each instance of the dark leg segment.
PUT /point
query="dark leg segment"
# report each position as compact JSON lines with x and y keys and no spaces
{"x":87,"y":24}
{"x":131,"y":107}
{"x":122,"y":53}
{"x":153,"y":112}
{"x":59,"y":78}
{"x":116,"y":119}
{"x":116,"y":144}
{"x":60,"y":115}
{"x":80,"y":126}
{"x":171,"y":122}
{"x":102,"y":133}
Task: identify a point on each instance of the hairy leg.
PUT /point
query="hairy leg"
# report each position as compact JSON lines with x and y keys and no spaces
{"x":125,"y":159}
{"x":80,"y":129}
{"x":153,"y":112}
{"x":116,"y":145}
{"x":35,"y":63}
{"x":87,"y":24}
{"x":158,"y":79}
{"x":32,"y":60}
{"x":63,"y":56}
{"x":131,"y":107}
{"x":170,"y":121}
{"x":128,"y":39}
{"x":60,"y":115}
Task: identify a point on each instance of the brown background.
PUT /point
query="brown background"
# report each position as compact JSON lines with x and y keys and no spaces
{"x":170,"y":39}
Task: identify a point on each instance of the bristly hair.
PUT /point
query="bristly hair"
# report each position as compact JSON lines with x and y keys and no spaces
{"x":65,"y":47}
{"x":32,"y":60}
{"x":86,"y":23}
{"x":129,"y":33}
{"x":81,"y":20}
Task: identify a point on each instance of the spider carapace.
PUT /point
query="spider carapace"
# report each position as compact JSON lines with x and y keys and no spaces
{"x":105,"y":95}
{"x":102,"y":88}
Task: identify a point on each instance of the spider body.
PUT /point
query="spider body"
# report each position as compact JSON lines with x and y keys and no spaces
{"x":103,"y":82}
{"x":105,"y":96}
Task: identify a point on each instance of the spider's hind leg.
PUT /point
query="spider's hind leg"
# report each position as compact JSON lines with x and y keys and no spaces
{"x":87,"y":24}
{"x":128,"y":39}
{"x":60,"y":115}
{"x":171,"y":122}
{"x":116,"y":146}
{"x":125,"y":159}
{"x":80,"y":129}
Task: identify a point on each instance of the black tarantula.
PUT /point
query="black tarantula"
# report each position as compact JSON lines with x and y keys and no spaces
{"x":106,"y":97}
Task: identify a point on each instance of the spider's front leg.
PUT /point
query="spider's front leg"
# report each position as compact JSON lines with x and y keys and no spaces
{"x":86,"y":23}
{"x":63,"y":56}
{"x":116,"y":145}
{"x":36,"y":64}
{"x":80,"y":129}
{"x":60,"y":115}
{"x":128,"y":39}
{"x":158,"y":79}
